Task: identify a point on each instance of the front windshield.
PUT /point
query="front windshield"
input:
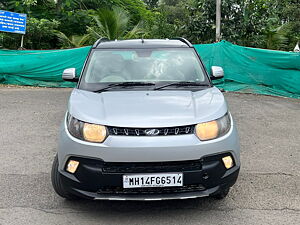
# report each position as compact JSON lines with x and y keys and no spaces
{"x":143,"y":65}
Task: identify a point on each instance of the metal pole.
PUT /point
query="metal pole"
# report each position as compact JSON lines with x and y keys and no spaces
{"x":22,"y":42}
{"x":218,"y":20}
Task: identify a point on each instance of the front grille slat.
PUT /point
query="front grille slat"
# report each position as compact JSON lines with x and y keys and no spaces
{"x":137,"y":132}
{"x":165,"y":131}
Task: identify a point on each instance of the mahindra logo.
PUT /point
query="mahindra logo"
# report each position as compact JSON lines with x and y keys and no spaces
{"x":151,"y":132}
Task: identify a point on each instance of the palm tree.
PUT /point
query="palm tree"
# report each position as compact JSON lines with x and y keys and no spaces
{"x":113,"y":24}
{"x":275,"y":35}
{"x":74,"y":41}
{"x":275,"y":38}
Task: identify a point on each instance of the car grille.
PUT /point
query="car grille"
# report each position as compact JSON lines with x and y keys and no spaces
{"x":163,"y":131}
{"x":151,"y":190}
{"x":149,"y":167}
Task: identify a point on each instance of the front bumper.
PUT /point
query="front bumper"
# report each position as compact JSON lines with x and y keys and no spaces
{"x":96,"y":179}
{"x":147,"y":149}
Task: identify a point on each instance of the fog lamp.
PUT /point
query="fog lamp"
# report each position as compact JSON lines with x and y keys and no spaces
{"x":228,"y":161}
{"x":72,"y":166}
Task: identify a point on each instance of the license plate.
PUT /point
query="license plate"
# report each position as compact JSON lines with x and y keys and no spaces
{"x":153,"y":180}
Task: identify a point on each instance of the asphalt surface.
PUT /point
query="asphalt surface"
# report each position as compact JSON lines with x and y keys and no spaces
{"x":267,"y":191}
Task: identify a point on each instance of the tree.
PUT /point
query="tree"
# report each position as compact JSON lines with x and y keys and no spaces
{"x":257,"y":23}
{"x":274,"y":35}
{"x":151,"y":3}
{"x":113,"y":24}
{"x":74,"y":41}
{"x":41,"y":34}
{"x":169,"y":20}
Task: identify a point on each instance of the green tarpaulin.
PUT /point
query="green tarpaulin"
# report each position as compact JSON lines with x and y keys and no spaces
{"x":40,"y":68}
{"x":246,"y":69}
{"x":254,"y":70}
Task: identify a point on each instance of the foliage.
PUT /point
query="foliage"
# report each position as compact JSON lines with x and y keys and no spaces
{"x":170,"y":19}
{"x":136,"y":8}
{"x":40,"y":35}
{"x":113,"y":24}
{"x":75,"y":22}
{"x":151,"y":4}
{"x":273,"y":24}
{"x":256,"y":23}
{"x":74,"y":41}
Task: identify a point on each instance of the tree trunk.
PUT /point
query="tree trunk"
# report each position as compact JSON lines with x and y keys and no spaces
{"x":58,"y":5}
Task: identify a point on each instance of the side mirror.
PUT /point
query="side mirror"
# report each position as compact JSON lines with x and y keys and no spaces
{"x":217,"y":72}
{"x":70,"y":75}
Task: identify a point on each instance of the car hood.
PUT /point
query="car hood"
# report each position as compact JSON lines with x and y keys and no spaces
{"x":142,"y":109}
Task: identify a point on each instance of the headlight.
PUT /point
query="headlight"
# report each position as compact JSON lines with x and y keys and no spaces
{"x":213,"y":129}
{"x":86,"y":131}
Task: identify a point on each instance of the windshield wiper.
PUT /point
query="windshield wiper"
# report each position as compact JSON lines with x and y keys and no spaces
{"x":180,"y":83}
{"x":125,"y":84}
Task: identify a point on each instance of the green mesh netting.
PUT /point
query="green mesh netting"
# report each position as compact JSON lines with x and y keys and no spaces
{"x":246,"y":69}
{"x":40,"y":68}
{"x":254,"y":70}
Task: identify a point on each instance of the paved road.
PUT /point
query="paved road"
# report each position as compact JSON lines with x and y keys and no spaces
{"x":267,"y":191}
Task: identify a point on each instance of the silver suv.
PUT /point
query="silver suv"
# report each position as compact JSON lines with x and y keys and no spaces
{"x":145,"y":123}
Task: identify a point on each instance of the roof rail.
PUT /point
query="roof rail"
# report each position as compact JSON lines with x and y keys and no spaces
{"x":99,"y":41}
{"x":183,"y":40}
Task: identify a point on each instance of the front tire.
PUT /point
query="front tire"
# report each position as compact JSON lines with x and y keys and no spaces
{"x":57,"y":182}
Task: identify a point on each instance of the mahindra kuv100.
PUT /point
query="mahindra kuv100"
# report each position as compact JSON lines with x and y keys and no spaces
{"x":145,"y":122}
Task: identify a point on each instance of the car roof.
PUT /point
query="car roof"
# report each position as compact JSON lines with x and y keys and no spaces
{"x":143,"y":43}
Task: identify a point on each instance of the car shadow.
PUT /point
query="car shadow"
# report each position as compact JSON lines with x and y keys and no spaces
{"x":145,"y":208}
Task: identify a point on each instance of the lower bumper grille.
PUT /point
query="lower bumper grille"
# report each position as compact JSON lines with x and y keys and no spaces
{"x":154,"y":190}
{"x":149,"y":167}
